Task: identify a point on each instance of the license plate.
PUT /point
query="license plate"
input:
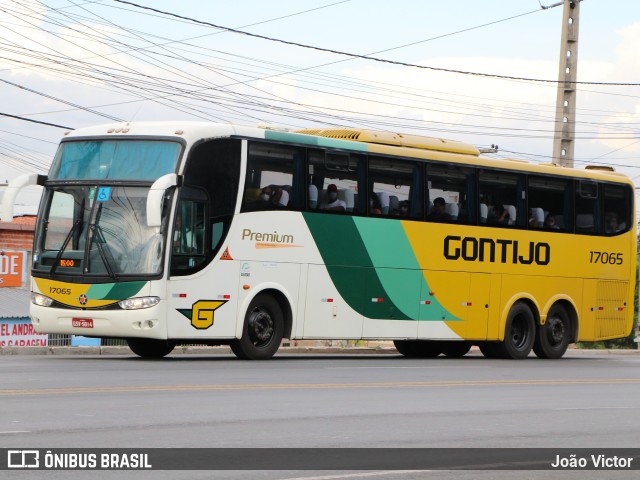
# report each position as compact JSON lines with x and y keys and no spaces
{"x":82,"y":322}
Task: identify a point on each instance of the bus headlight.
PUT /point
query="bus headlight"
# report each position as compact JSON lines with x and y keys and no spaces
{"x":41,"y":300}
{"x":138,"y":303}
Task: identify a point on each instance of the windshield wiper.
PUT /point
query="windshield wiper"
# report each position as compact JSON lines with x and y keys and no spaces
{"x":104,"y":251}
{"x":103,"y":248}
{"x":56,"y":262}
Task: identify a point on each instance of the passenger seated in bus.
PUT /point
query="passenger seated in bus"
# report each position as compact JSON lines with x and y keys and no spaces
{"x":403,"y":209}
{"x":374,"y":204}
{"x":612,"y":225}
{"x":271,"y":197}
{"x":536,"y":220}
{"x":502,"y":217}
{"x":550,"y":222}
{"x":438,"y":213}
{"x":280,"y":198}
{"x":332,"y":202}
{"x":453,"y":209}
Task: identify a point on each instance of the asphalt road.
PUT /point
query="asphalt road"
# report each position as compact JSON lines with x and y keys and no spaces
{"x":314,"y":401}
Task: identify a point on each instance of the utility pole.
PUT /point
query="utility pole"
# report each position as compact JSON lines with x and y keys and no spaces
{"x":563,"y":140}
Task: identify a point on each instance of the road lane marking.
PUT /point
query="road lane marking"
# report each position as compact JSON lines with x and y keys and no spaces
{"x":407,"y":368}
{"x":15,"y":431}
{"x":361,"y":475}
{"x":592,"y":408}
{"x":311,"y":386}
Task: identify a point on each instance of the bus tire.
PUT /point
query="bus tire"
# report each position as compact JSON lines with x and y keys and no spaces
{"x":418,"y":348}
{"x":552,"y":338}
{"x":519,"y":332}
{"x":150,"y":348}
{"x":455,"y":349}
{"x":262,"y":330}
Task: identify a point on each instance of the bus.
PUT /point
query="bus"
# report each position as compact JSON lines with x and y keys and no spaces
{"x":167,"y":233}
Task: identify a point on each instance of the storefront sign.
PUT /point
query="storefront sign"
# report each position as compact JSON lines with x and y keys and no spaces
{"x":20,"y":333}
{"x":12,"y":271}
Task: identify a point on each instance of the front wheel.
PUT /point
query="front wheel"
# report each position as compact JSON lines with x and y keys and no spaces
{"x":552,"y":338}
{"x":262,"y":330}
{"x":150,"y":348}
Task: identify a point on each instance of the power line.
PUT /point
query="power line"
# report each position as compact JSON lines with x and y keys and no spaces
{"x":75,"y":105}
{"x":196,"y":91}
{"x":218,"y":69}
{"x":367,"y":57}
{"x":35,"y":121}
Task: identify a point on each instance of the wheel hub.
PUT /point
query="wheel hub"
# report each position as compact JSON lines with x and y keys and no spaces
{"x":260,"y":327}
{"x":518,"y":333}
{"x":556,"y":330}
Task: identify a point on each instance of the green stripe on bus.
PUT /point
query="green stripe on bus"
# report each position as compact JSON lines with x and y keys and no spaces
{"x":312,"y":140}
{"x":372,"y":264}
{"x":395,"y":265}
{"x":115,"y":291}
{"x":350,"y":267}
{"x":398,"y":269}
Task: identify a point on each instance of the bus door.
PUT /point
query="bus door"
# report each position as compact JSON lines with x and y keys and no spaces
{"x":204,"y":305}
{"x":202,"y":300}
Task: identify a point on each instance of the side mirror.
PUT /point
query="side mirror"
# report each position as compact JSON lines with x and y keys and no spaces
{"x":156,"y":197}
{"x":14,"y":188}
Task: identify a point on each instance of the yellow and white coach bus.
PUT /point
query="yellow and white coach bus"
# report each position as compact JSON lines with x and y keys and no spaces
{"x":167,"y":233}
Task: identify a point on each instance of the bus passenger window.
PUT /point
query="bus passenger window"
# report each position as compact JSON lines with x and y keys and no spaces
{"x":587,"y":219}
{"x":451,"y":194}
{"x":503,"y":195}
{"x":332,"y":181}
{"x":617,"y":208}
{"x":549,"y":200}
{"x":269,"y":182}
{"x":394,"y":182}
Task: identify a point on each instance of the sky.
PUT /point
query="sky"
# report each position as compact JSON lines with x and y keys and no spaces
{"x":75,"y":63}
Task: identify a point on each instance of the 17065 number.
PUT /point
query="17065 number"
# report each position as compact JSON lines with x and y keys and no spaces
{"x":611,"y":258}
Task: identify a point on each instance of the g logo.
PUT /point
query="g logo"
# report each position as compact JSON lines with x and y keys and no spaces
{"x":203,"y":313}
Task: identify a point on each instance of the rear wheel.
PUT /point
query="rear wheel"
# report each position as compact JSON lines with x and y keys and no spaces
{"x":552,"y":338}
{"x":262,"y":331}
{"x":520,"y":332}
{"x":454,"y":349}
{"x":418,"y":348}
{"x":150,"y":348}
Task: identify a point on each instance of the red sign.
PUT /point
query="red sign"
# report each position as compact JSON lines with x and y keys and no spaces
{"x":82,"y":322}
{"x":11,"y":269}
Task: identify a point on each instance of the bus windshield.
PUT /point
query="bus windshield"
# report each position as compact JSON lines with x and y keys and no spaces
{"x":98,"y":230}
{"x":115,"y":160}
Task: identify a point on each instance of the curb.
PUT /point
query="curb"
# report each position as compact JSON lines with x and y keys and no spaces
{"x":189,"y":350}
{"x":302,"y":350}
